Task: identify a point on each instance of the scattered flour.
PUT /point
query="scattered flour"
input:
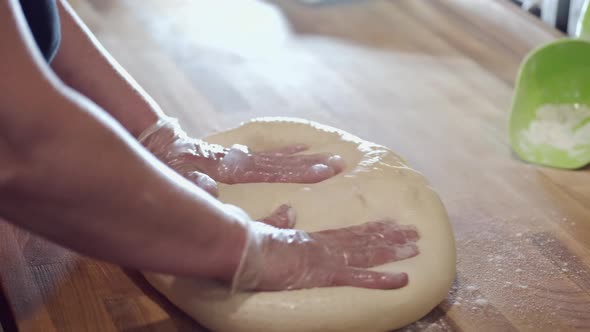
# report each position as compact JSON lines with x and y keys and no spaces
{"x":565,"y":127}
{"x":481,"y":302}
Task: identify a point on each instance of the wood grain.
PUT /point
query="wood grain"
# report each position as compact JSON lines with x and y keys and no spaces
{"x":430,"y":79}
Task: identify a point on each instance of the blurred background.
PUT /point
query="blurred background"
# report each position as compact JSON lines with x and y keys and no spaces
{"x":562,"y":14}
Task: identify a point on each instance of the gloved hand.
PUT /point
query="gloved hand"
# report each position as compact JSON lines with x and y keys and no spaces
{"x":205,"y":163}
{"x":286,"y":259}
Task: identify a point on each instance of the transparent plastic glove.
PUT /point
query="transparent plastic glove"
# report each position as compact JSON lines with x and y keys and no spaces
{"x":205,"y":163}
{"x":287,"y":259}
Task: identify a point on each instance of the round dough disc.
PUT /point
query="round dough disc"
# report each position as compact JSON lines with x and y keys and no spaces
{"x":375,"y":184}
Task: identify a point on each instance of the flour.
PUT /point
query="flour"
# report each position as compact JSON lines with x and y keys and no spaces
{"x":481,"y":302}
{"x":565,"y":127}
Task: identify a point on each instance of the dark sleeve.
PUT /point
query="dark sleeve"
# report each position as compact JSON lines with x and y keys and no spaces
{"x":43,"y":20}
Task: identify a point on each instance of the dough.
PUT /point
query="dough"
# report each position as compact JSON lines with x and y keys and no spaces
{"x":375,"y":184}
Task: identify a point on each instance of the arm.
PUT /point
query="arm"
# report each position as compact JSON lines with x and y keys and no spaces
{"x":86,"y":66}
{"x":72,"y":174}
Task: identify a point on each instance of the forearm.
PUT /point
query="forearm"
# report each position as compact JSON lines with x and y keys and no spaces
{"x":83,"y":64}
{"x":72,"y":174}
{"x":85,"y":183}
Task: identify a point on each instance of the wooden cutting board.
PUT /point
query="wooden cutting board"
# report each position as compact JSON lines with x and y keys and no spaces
{"x":430,"y":79}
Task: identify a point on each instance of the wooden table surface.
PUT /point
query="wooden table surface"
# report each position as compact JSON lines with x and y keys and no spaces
{"x":430,"y":79}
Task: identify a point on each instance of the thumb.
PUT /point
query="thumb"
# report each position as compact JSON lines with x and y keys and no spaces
{"x":283,"y":217}
{"x":368,"y":279}
{"x":204,"y":182}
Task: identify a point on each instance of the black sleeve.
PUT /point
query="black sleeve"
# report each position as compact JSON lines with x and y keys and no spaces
{"x":43,"y":20}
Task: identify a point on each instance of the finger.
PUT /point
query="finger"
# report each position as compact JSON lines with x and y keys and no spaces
{"x":390,"y":231}
{"x":286,"y":150}
{"x":254,"y":177}
{"x":400,"y":234}
{"x":238,"y":167}
{"x":372,"y":234}
{"x":314,"y":174}
{"x":318,"y":174}
{"x":289,"y":157}
{"x":368,"y":279}
{"x":236,"y":159}
{"x":204,"y":182}
{"x":299,"y":165}
{"x":308,"y":173}
{"x":336,"y":163}
{"x":191,"y":161}
{"x":285,"y":164}
{"x":295,"y":161}
{"x":389,"y":235}
{"x":283,"y":217}
{"x":233,"y":165}
{"x":374,"y":256}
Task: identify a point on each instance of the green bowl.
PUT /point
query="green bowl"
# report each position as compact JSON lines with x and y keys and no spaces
{"x":556,"y":73}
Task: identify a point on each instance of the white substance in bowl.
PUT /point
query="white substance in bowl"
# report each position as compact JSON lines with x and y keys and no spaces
{"x":375,"y":184}
{"x":565,"y":127}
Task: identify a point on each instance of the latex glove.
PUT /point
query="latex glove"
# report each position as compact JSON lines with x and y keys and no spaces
{"x":286,"y":259}
{"x":205,"y":163}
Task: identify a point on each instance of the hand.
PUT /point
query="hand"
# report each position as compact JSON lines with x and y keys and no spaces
{"x":239,"y":165}
{"x":287,"y":259}
{"x":283,"y":217}
{"x":205,"y":163}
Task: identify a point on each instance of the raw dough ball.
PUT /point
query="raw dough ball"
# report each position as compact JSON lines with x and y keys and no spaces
{"x":375,"y":184}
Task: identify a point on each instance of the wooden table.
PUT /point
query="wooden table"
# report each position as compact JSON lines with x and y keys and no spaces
{"x":430,"y":79}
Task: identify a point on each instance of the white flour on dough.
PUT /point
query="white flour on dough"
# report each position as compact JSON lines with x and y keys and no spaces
{"x":375,"y":184}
